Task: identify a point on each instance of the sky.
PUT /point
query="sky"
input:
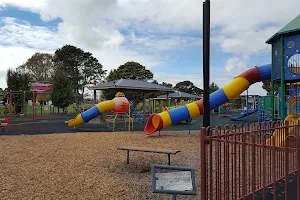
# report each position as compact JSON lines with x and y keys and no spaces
{"x":163,"y":35}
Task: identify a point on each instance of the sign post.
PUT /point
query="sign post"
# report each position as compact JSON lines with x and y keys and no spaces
{"x":173,"y":180}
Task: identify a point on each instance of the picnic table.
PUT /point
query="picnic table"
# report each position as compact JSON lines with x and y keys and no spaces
{"x":139,"y":149}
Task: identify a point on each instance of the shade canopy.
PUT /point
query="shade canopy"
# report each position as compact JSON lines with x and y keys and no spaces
{"x":178,"y":94}
{"x":129,"y":84}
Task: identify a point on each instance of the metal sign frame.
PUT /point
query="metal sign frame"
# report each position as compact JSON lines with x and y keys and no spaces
{"x":175,"y":168}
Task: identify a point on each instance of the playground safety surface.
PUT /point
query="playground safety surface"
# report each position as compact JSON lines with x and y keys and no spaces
{"x":49,"y":124}
{"x":85,"y":165}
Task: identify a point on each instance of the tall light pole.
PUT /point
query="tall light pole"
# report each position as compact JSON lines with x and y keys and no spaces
{"x":206,"y":58}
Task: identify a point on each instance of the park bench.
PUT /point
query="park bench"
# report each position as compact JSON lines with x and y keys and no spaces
{"x":162,"y":151}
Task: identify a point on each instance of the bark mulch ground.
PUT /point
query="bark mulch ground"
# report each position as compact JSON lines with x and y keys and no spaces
{"x":88,"y":166}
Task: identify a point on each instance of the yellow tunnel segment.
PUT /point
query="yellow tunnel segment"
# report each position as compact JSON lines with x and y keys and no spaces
{"x":76,"y":121}
{"x":165,"y":116}
{"x":106,"y":106}
{"x":193,"y":110}
{"x":236,"y":87}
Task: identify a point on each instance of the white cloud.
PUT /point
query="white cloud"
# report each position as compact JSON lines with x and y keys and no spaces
{"x":231,"y":16}
{"x":165,"y":43}
{"x":12,"y":57}
{"x":235,"y":65}
{"x":20,"y":33}
{"x":34,"y":5}
{"x":19,"y":40}
{"x":248,"y":43}
{"x":239,"y":27}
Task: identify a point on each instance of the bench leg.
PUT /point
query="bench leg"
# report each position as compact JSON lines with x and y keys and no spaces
{"x":169,"y":159}
{"x":127,"y":156}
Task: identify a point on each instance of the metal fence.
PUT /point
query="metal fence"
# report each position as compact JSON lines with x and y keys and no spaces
{"x":253,"y":161}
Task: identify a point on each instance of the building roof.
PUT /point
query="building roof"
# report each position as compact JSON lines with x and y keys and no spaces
{"x":129,"y":84}
{"x":179,"y":94}
{"x":293,"y":26}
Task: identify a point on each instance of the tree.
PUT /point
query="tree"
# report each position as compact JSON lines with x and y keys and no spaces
{"x":267,"y":86}
{"x":167,"y":84}
{"x":3,"y":96}
{"x":237,"y":102}
{"x":213,"y":87}
{"x":40,"y":66}
{"x":91,"y":70}
{"x":155,"y":94}
{"x":81,"y":67}
{"x":62,"y":95}
{"x":188,"y":87}
{"x":155,"y":82}
{"x":17,"y":81}
{"x":129,"y":70}
{"x":69,"y":59}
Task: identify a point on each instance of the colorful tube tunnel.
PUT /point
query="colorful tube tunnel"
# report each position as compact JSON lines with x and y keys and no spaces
{"x":91,"y":113}
{"x":230,"y":91}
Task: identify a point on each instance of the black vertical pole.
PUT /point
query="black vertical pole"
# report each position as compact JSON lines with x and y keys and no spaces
{"x":95,"y":96}
{"x":95,"y":93}
{"x":206,"y":49}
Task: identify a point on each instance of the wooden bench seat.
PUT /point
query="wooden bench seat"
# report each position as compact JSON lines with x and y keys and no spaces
{"x":163,"y":151}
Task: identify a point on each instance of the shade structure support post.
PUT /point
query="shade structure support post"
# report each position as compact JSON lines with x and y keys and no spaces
{"x":33,"y":104}
{"x":95,"y":93}
{"x":144,"y":104}
{"x":10,"y":104}
{"x":95,"y":96}
{"x":168,"y":99}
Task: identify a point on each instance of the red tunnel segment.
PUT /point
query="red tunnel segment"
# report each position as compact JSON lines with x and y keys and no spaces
{"x":150,"y":128}
{"x":200,"y":106}
{"x":252,"y":75}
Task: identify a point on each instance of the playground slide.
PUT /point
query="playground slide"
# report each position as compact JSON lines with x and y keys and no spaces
{"x":250,"y":112}
{"x":280,"y":134}
{"x":91,"y":113}
{"x":230,"y":91}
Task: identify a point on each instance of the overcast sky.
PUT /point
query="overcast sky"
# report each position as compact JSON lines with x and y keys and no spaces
{"x":163,"y":35}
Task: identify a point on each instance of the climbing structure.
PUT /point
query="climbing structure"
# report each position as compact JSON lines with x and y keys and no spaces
{"x":285,"y":66}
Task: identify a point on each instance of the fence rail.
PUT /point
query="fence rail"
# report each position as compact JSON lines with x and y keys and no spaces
{"x":254,"y":161}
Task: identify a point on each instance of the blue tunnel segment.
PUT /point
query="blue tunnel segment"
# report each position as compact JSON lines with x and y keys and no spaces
{"x":90,"y":114}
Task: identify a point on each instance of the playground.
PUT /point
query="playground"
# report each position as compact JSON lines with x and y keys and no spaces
{"x":109,"y":150}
